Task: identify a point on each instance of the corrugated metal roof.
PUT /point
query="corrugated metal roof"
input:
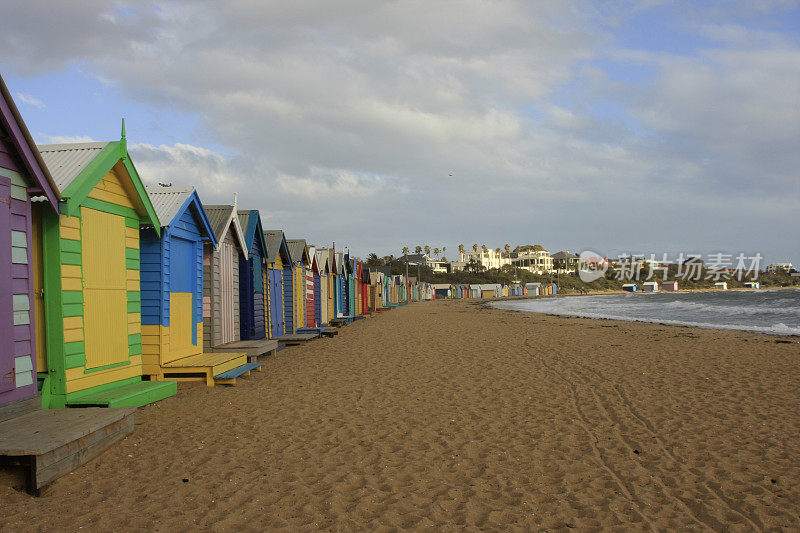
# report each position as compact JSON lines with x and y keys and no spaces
{"x":273,"y":238}
{"x":244,"y":218}
{"x":167,"y":201}
{"x":218,"y":215}
{"x":66,"y":161}
{"x":296,"y":248}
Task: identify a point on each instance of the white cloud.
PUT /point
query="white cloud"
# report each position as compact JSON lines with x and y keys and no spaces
{"x":30,"y":100}
{"x":65,"y":139}
{"x":344,"y":119}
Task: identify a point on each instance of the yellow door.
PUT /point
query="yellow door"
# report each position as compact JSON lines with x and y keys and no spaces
{"x":180,"y":328}
{"x":105,"y":314}
{"x":38,"y":286}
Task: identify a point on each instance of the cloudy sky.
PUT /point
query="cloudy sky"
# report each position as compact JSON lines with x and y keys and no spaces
{"x":616,"y":126}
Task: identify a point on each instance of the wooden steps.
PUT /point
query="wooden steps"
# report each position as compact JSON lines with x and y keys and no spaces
{"x":53,"y":442}
{"x":296,"y":339}
{"x":199,"y":367}
{"x":229,"y":377}
{"x":132,"y":395}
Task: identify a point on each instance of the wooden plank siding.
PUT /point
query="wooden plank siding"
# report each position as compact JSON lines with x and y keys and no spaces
{"x":216,"y":319}
{"x":288,"y":300}
{"x":17,"y":333}
{"x":170,"y":280}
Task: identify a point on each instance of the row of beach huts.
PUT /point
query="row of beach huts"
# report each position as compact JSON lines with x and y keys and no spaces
{"x":112,"y":292}
{"x":492,"y":290}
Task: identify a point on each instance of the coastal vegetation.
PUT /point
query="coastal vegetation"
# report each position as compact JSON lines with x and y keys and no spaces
{"x":570,"y":282}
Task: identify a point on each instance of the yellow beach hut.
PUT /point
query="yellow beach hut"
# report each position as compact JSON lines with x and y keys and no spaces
{"x":90,"y":265}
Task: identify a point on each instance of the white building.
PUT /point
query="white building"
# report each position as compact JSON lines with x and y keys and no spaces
{"x":536,"y":261}
{"x":488,"y":259}
{"x":780,"y":267}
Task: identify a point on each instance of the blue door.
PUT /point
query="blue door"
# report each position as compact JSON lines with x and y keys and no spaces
{"x":276,"y":302}
{"x":259,"y":326}
{"x":183,"y":276}
{"x":246,"y":326}
{"x":288,"y":300}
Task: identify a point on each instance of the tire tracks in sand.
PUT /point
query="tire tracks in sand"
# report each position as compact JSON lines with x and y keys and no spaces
{"x":668,"y":479}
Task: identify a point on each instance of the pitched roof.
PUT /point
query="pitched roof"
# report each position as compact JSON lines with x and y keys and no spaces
{"x":323,"y":260}
{"x":168,"y":201}
{"x":21,"y":139}
{"x":67,"y":161}
{"x":221,"y":218}
{"x":77,"y":168}
{"x":250,"y":222}
{"x":274,"y":238}
{"x":219,"y":215}
{"x":297,"y":249}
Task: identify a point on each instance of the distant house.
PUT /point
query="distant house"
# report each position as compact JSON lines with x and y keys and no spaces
{"x":721,"y":285}
{"x":752,"y":285}
{"x":775,"y":268}
{"x":629,"y":287}
{"x":565,"y":261}
{"x":670,"y":286}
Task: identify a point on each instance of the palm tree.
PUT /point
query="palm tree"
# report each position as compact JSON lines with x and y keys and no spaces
{"x":444,"y":249}
{"x":484,"y":248}
{"x":405,"y":250}
{"x":497,"y":250}
{"x":427,"y":250}
{"x":508,"y":248}
{"x":474,"y":247}
{"x":405,"y":253}
{"x":436,"y":252}
{"x":418,"y":249}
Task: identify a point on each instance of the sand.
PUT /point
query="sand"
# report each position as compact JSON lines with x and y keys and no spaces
{"x":449,"y":415}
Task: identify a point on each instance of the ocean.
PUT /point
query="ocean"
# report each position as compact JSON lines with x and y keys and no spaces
{"x":766,"y":311}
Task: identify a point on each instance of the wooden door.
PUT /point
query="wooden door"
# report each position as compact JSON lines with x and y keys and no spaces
{"x":182,"y":309}
{"x":227,"y":304}
{"x":276,"y":302}
{"x":105,"y":313}
{"x":6,"y":300}
{"x":38,"y":286}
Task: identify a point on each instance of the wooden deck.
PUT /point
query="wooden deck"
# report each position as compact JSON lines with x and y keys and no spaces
{"x":252,"y":348}
{"x":297,"y":338}
{"x":323,"y":331}
{"x":53,"y":442}
{"x":201,"y":367}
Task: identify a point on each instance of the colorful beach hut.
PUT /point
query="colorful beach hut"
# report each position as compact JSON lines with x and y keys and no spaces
{"x":221,"y":279}
{"x":332,"y":274}
{"x":23,"y":175}
{"x":281,"y":285}
{"x":322,"y":272}
{"x":252,"y":271}
{"x":300,"y":262}
{"x":91,"y":278}
{"x":173,"y":291}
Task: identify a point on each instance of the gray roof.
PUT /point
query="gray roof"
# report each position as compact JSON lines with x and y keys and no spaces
{"x":564,"y":255}
{"x":273,"y":238}
{"x":296,"y":248}
{"x":167,"y":201}
{"x":66,"y":161}
{"x":244,"y":218}
{"x":218,"y":215}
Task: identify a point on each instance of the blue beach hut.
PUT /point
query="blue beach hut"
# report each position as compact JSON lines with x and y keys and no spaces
{"x":252,"y":273}
{"x":172,"y":291}
{"x":281,"y":298}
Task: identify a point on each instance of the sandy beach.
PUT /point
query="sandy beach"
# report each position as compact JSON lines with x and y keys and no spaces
{"x":449,"y":415}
